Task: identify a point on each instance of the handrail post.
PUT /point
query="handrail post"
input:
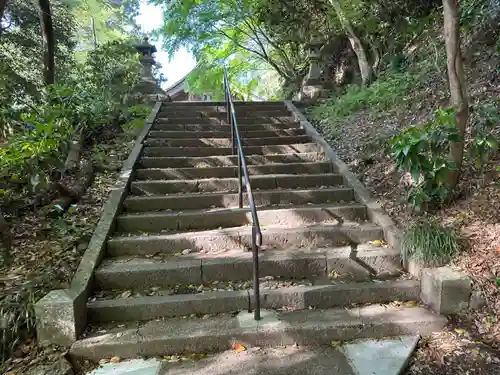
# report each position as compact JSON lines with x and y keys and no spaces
{"x":240,"y":181}
{"x":256,"y":285}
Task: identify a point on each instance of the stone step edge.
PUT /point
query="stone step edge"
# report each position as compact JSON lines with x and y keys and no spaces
{"x":304,"y":328}
{"x":300,"y":215}
{"x":319,"y":235}
{"x":140,"y":198}
{"x":255,"y":176}
{"x":245,"y":210}
{"x":243,"y":127}
{"x":235,"y":265}
{"x":235,"y":157}
{"x":235,"y":167}
{"x":246,"y":149}
{"x":264,"y":139}
{"x":295,"y":297}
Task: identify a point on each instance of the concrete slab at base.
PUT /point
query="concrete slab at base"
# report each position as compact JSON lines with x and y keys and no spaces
{"x":132,"y":367}
{"x":272,"y":361}
{"x":380,"y":357}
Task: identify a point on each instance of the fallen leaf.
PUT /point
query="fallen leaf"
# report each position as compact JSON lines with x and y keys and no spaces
{"x":335,"y":343}
{"x":115,"y":359}
{"x":126,"y":294}
{"x":239,"y":348}
{"x":459,"y":331}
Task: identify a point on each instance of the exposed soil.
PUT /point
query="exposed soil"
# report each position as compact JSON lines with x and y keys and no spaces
{"x":471,"y":343}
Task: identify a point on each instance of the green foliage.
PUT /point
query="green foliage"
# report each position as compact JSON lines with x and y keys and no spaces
{"x":230,"y":32}
{"x":430,"y":244}
{"x":483,"y":120}
{"x":423,"y":152}
{"x":87,"y":102}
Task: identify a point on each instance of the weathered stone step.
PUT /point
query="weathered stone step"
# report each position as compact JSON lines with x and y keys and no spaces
{"x":242,"y":112}
{"x":156,"y":222}
{"x":293,"y":298}
{"x":227,"y":172}
{"x":226,"y":128}
{"x":302,"y":327}
{"x":226,"y":151}
{"x":221,"y":200}
{"x":128,"y":272}
{"x":223,"y":121}
{"x":225,"y":142}
{"x":221,"y":106}
{"x":226,"y":161}
{"x":267,"y":182}
{"x":241,"y":238}
{"x":225,"y":134}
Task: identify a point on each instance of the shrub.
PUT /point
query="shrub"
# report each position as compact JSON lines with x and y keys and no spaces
{"x":430,"y":244}
{"x":423,"y":152}
{"x":484,"y":118}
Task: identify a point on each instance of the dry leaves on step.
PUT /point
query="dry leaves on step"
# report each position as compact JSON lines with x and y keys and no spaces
{"x":239,"y":348}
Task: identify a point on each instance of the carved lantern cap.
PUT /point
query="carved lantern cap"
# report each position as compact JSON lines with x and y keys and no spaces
{"x":146,"y":48}
{"x":316,"y":42}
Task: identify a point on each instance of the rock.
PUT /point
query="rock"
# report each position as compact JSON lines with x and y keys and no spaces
{"x":477,"y":300}
{"x":61,"y":367}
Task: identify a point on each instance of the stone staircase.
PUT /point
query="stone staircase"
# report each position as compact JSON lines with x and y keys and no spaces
{"x":177,"y":273}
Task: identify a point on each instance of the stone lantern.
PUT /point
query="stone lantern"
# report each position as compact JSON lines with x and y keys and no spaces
{"x":146,"y":50}
{"x":147,"y":89}
{"x":312,"y":87}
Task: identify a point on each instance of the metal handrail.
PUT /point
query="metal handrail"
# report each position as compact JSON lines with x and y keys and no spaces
{"x":237,"y":149}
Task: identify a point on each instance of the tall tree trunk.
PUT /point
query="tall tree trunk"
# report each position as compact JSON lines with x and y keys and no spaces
{"x":364,"y":66}
{"x":48,"y":41}
{"x":456,"y":78}
{"x":3,"y":4}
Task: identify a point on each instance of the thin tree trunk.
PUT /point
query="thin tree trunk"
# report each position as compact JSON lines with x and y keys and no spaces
{"x":6,"y":239}
{"x":364,"y":66}
{"x":3,"y":3}
{"x":457,"y":82}
{"x":48,"y":41}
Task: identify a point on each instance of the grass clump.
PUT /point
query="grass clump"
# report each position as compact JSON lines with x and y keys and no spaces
{"x":430,"y":244}
{"x":392,"y":91}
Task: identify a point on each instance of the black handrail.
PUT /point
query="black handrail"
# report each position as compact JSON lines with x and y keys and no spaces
{"x":237,"y":149}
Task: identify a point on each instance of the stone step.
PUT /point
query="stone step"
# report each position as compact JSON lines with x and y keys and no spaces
{"x":302,"y":327}
{"x":156,"y":222}
{"x":266,"y":182}
{"x":241,"y":238}
{"x":293,"y":298}
{"x":225,"y":128}
{"x":225,"y":142}
{"x":262,"y":198}
{"x":225,"y":133}
{"x":226,"y":161}
{"x":223,"y":121}
{"x":228,"y":172}
{"x":164,"y":271}
{"x":221,"y":106}
{"x":227,"y":151}
{"x":241,"y":112}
